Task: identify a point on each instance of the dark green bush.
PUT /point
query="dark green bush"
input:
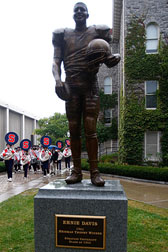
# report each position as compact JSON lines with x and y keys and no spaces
{"x":2,"y":166}
{"x":111,"y":158}
{"x":141,"y":172}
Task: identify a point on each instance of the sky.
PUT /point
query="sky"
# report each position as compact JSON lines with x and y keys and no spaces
{"x":26,"y":50}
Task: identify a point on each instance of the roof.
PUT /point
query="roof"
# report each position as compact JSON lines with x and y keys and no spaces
{"x":17,"y":110}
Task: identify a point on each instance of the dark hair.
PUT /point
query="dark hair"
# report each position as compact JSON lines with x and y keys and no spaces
{"x":81,"y":4}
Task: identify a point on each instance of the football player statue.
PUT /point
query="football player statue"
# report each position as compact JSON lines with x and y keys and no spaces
{"x":82,"y":50}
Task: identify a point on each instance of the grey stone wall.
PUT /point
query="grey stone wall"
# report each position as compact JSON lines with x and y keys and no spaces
{"x":111,"y":72}
{"x":152,"y":10}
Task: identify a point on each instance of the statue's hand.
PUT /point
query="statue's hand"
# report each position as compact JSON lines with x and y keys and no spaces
{"x":58,"y":84}
{"x":112,"y":60}
{"x":62,"y":90}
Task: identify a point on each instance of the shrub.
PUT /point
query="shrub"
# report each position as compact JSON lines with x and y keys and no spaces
{"x":111,"y":158}
{"x":141,"y":172}
{"x":2,"y":166}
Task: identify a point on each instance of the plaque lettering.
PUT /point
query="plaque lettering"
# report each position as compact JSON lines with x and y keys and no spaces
{"x":78,"y":231}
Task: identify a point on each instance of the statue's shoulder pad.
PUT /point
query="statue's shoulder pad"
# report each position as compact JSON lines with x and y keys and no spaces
{"x":59,"y":31}
{"x":102,"y":27}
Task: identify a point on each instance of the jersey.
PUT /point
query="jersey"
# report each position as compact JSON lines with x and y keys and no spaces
{"x":70,"y":47}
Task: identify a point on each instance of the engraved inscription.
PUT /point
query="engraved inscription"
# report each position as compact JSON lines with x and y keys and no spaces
{"x":76,"y":231}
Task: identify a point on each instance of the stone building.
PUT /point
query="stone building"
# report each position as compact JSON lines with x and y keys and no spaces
{"x":14,"y":120}
{"x":140,"y":35}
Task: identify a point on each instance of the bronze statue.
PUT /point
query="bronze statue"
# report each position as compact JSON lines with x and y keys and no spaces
{"x":82,"y":50}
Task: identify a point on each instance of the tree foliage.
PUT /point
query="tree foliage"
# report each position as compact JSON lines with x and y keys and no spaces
{"x":55,"y":126}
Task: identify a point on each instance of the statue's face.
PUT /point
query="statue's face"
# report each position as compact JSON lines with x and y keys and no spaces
{"x":80,"y":13}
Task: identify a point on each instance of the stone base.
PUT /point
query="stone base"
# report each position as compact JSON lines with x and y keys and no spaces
{"x":81,"y":199}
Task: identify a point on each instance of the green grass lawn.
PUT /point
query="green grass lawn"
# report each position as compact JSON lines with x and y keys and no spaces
{"x":147,"y":225}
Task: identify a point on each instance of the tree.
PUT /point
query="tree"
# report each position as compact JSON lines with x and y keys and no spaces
{"x":55,"y":126}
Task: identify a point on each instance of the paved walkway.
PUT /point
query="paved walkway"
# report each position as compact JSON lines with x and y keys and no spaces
{"x":149,"y":193}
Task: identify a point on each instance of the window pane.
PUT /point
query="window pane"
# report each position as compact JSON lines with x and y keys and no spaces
{"x":108,"y":85}
{"x":107,"y":113}
{"x":151,"y":101}
{"x":151,"y":138}
{"x":107,"y":89}
{"x":151,"y":87}
{"x":151,"y":45}
{"x":151,"y":150}
{"x":151,"y":145}
{"x":108,"y":81}
{"x":107,"y":116}
{"x":107,"y":120}
{"x":152,"y":32}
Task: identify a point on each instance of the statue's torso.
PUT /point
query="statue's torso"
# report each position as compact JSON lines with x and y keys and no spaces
{"x":73,"y":45}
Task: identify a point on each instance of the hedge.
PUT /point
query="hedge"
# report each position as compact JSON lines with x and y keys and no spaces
{"x":141,"y":172}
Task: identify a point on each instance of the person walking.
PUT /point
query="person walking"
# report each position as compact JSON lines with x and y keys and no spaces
{"x":45,"y":156}
{"x":67,"y":155}
{"x":60,"y":156}
{"x":25,"y":161}
{"x":25,"y":145}
{"x":33,"y":158}
{"x":54,"y":159}
{"x":17,"y":159}
{"x":8,"y":156}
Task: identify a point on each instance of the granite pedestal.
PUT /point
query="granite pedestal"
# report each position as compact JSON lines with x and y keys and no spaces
{"x":81,"y":199}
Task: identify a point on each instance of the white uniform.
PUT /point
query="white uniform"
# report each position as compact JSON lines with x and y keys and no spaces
{"x":60,"y":155}
{"x":7,"y":154}
{"x":67,"y":152}
{"x":25,"y":159}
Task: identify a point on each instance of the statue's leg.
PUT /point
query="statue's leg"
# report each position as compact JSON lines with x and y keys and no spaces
{"x":90,"y":119}
{"x":73,"y":111}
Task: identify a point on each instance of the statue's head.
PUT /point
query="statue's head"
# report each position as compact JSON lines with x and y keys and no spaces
{"x":80,"y":12}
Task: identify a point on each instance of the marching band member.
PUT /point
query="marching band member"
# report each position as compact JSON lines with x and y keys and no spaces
{"x":67,"y":154}
{"x":45,"y":156}
{"x":37,"y":151}
{"x":59,"y":145}
{"x":25,"y":145}
{"x":17,"y":157}
{"x":25,"y":161}
{"x":54,"y":161}
{"x":33,"y":158}
{"x":60,"y":156}
{"x":8,"y":156}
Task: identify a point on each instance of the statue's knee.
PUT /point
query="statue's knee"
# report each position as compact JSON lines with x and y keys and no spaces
{"x":75,"y":129}
{"x":90,"y":126}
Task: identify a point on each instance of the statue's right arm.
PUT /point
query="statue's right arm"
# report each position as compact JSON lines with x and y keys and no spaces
{"x":57,"y":42}
{"x":56,"y":70}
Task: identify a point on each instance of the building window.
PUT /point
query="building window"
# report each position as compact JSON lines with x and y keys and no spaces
{"x":108,"y":85}
{"x":152,"y":145}
{"x":108,"y":116}
{"x":152,"y":38}
{"x":150,"y":94}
